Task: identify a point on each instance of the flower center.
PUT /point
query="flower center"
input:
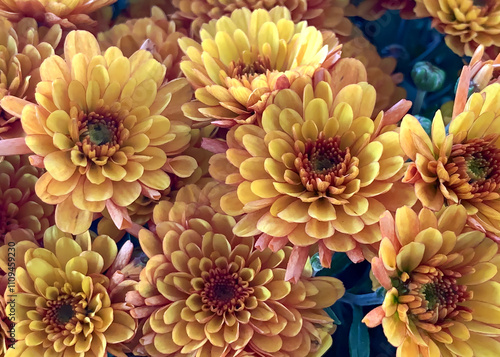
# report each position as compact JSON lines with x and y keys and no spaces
{"x":7,"y":222}
{"x":224,"y":291}
{"x":239,"y":69}
{"x":66,"y":309}
{"x":64,"y":313}
{"x":323,"y":164}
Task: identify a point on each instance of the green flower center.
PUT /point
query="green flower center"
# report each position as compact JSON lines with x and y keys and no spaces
{"x":64,"y":313}
{"x":478,"y":168}
{"x":100,"y":134}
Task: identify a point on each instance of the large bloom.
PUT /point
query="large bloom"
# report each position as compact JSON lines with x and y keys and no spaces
{"x":23,"y":47}
{"x":242,"y":58}
{"x":323,"y":14}
{"x":466,"y":23}
{"x":443,"y":285}
{"x":65,"y":305}
{"x":373,"y":9}
{"x":20,"y":208}
{"x":462,"y":166}
{"x":156,"y":34}
{"x":206,"y":291}
{"x":67,"y":13}
{"x":318,"y":171}
{"x":98,"y":132}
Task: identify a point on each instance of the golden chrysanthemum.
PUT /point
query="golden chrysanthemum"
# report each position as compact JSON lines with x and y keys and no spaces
{"x":323,"y":14}
{"x":373,"y":9}
{"x":443,"y":285}
{"x":244,"y":57}
{"x":70,"y":14}
{"x":205,"y":291}
{"x":20,"y":208}
{"x":380,"y":72}
{"x":463,"y":165}
{"x":156,"y":34}
{"x":23,"y":47}
{"x":318,"y":171}
{"x":98,"y":132}
{"x":466,"y":23}
{"x":65,"y":305}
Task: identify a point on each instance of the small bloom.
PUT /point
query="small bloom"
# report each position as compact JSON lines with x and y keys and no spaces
{"x":23,"y":47}
{"x":205,"y":290}
{"x":442,"y":284}
{"x":466,"y":23}
{"x":65,"y":305}
{"x":317,"y":172}
{"x":69,"y":14}
{"x":244,"y":57}
{"x":461,"y":165}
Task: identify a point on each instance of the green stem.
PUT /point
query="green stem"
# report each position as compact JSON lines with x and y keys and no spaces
{"x":419,"y":100}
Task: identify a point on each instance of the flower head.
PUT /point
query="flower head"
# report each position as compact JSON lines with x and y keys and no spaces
{"x":65,"y":304}
{"x":70,"y":14}
{"x":466,"y":23}
{"x":442,"y":285}
{"x":244,"y":57}
{"x":20,"y":208}
{"x":323,"y":14}
{"x":461,"y":166}
{"x":23,"y":48}
{"x":317,"y":172}
{"x":206,"y":290}
{"x":98,"y":132}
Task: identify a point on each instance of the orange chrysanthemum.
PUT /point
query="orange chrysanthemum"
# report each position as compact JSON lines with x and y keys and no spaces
{"x":20,"y":208}
{"x":70,"y":14}
{"x":443,"y":284}
{"x":98,"y":132}
{"x":373,"y":9}
{"x":466,"y":23}
{"x":462,"y":166}
{"x":243,"y":58}
{"x":318,"y":171}
{"x":206,"y":291}
{"x":65,"y":305}
{"x":156,"y":34}
{"x":323,"y":14}
{"x":380,"y":72}
{"x":23,"y":47}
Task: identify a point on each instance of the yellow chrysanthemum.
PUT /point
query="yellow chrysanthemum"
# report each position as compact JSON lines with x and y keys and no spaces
{"x":156,"y":34}
{"x":244,"y":57}
{"x":70,"y":14}
{"x":463,"y":165}
{"x":373,"y":9}
{"x":379,"y":72}
{"x":98,"y":132}
{"x":317,"y":172}
{"x":65,"y":305}
{"x":23,"y":47}
{"x":443,"y":285}
{"x":323,"y":14}
{"x":205,"y":291}
{"x":466,"y":23}
{"x":20,"y":208}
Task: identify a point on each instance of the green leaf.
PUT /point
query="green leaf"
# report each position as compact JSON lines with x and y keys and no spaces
{"x":333,"y":316}
{"x":359,"y":340}
{"x":340,"y":261}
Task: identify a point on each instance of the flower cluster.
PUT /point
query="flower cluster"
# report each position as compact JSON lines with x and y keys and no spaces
{"x":221,"y":178}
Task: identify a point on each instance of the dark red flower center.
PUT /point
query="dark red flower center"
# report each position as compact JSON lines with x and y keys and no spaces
{"x":239,"y":69}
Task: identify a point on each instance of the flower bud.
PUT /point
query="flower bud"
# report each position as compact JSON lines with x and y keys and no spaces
{"x":427,"y":77}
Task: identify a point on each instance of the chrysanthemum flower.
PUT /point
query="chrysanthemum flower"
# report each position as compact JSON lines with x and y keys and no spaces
{"x":242,"y":58}
{"x":442,"y":284}
{"x":323,"y":14}
{"x":466,"y":23}
{"x":20,"y":208}
{"x":373,"y":9}
{"x":70,"y":14}
{"x":23,"y":47}
{"x":206,"y":291}
{"x":98,"y":132}
{"x":463,"y":165}
{"x":156,"y":34}
{"x":65,"y":305}
{"x":380,"y":72}
{"x":317,"y":172}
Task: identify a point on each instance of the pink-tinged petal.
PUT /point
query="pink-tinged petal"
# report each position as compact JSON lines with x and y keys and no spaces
{"x":149,"y":192}
{"x":263,"y":241}
{"x":122,"y":258}
{"x":387,"y":229}
{"x":380,"y":273}
{"x":277,"y":243}
{"x":356,"y":255}
{"x":119,"y":215}
{"x":325,"y":255}
{"x":16,"y":146}
{"x":393,"y":115}
{"x":374,"y":317}
{"x":134,"y":229}
{"x":296,"y":263}
{"x":462,"y":92}
{"x":37,"y":161}
{"x":214,"y":145}
{"x":412,"y":174}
